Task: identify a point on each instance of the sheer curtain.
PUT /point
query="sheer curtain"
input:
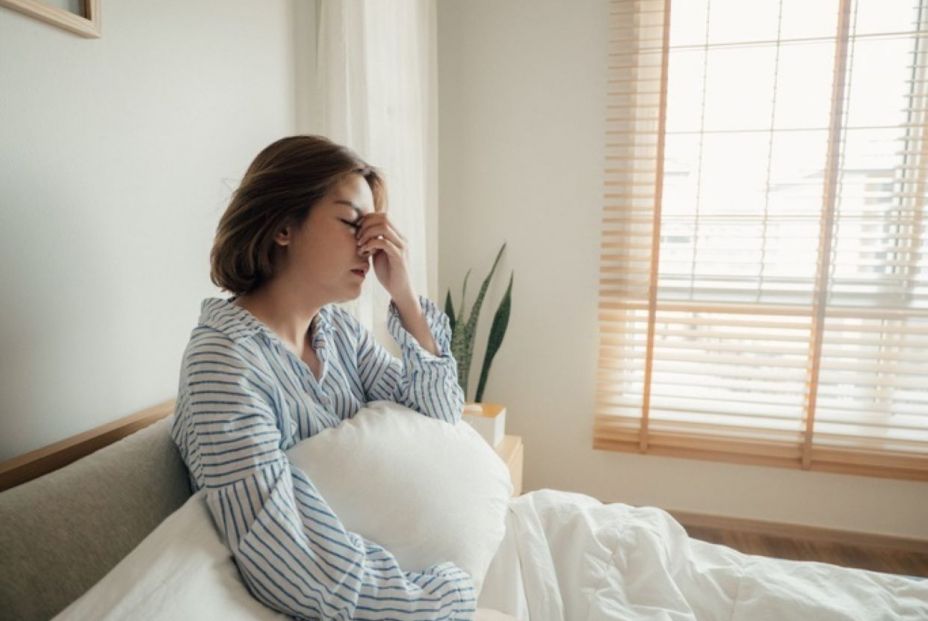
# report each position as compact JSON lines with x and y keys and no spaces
{"x":376,"y":92}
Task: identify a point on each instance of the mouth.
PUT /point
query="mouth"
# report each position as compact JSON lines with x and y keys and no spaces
{"x":360,"y":272}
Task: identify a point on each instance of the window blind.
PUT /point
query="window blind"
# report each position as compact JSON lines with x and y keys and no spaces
{"x":764,"y":249}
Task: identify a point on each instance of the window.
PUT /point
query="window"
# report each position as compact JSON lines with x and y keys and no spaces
{"x":764,"y":256}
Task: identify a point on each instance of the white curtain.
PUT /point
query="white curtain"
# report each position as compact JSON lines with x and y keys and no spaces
{"x":376,"y":92}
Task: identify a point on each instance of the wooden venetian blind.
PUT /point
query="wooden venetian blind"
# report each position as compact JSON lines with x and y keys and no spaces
{"x":764,"y":260}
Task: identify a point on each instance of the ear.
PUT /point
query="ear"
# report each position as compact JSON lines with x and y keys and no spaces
{"x":282,"y":238}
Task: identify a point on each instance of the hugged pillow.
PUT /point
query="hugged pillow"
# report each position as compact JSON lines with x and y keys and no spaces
{"x":427,"y":491}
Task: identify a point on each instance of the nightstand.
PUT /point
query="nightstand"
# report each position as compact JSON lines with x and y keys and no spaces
{"x":489,"y":421}
{"x":511,"y":450}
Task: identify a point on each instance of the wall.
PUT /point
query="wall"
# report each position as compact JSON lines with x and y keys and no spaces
{"x":117,"y":156}
{"x":521,"y":133}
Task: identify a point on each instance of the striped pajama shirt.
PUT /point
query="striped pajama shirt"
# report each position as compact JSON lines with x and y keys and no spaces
{"x":244,"y":399}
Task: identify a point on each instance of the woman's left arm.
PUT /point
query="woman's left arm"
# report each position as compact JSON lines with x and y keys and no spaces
{"x":413,"y":319}
{"x":421,"y":380}
{"x":427,"y":377}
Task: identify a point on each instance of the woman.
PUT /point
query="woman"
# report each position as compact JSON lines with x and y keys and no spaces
{"x":276,"y":363}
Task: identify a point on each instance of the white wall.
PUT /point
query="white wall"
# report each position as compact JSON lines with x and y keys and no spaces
{"x":521,"y":132}
{"x":117,"y":156}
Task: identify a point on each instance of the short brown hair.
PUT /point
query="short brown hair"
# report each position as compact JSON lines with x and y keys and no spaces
{"x":279,"y":188}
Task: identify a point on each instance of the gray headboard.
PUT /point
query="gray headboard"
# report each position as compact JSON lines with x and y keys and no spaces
{"x":62,"y":532}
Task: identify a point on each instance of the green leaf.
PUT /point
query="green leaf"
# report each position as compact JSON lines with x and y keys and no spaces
{"x":449,"y":310}
{"x":464,"y":295}
{"x":459,"y":339}
{"x":495,"y":338}
{"x":469,"y":330}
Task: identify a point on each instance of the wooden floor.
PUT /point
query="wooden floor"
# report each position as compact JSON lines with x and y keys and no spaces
{"x":874,"y":558}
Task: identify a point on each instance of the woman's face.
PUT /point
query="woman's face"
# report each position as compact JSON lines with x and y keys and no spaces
{"x":322,"y":253}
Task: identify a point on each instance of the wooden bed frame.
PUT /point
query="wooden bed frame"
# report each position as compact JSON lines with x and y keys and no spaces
{"x":44,"y":460}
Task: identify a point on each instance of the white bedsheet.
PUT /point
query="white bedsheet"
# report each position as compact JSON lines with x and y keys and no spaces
{"x":568,"y":556}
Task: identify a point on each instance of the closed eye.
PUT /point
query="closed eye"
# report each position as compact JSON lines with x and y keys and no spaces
{"x":356,"y":224}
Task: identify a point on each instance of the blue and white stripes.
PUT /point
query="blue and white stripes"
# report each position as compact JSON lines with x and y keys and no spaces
{"x":244,"y":399}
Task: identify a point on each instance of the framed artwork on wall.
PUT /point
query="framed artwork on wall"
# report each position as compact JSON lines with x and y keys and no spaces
{"x":81,"y":17}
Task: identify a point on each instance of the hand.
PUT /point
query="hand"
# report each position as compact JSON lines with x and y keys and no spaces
{"x":378,"y":237}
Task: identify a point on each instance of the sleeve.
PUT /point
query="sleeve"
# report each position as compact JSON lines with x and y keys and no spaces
{"x":421,"y":381}
{"x":292,"y":551}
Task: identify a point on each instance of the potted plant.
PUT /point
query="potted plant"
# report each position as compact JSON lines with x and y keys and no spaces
{"x":464,"y":329}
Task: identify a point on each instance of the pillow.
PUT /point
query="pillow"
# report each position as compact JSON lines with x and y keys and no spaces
{"x":181,"y":570}
{"x":427,"y":491}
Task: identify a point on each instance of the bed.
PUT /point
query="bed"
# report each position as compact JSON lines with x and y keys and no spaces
{"x":117,"y":534}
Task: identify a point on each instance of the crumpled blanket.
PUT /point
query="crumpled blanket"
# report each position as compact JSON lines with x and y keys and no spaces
{"x":569,"y":557}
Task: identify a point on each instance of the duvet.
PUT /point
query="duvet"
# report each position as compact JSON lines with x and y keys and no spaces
{"x":568,"y":556}
{"x":565,"y":556}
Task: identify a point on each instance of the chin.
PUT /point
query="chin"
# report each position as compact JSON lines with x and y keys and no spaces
{"x":350,"y":296}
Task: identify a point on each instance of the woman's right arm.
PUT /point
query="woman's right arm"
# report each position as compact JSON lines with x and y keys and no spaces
{"x":291,"y":549}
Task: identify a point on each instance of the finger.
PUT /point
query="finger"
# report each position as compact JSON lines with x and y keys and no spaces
{"x":377,"y":244}
{"x":385,"y":245}
{"x":369,"y":221}
{"x":382,"y":231}
{"x":378,"y":224}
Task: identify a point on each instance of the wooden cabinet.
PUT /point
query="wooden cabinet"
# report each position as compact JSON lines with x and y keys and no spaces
{"x":511,"y":451}
{"x":489,"y":419}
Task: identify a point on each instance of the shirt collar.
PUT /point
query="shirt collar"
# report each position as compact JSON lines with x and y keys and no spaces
{"x":238,"y":324}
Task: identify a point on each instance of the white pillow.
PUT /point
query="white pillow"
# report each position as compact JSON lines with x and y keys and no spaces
{"x":181,"y":570}
{"x":427,"y":491}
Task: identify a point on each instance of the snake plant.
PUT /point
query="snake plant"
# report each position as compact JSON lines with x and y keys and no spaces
{"x":464,"y":330}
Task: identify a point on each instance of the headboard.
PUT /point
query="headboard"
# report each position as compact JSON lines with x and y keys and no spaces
{"x":73,"y":510}
{"x":46,"y":459}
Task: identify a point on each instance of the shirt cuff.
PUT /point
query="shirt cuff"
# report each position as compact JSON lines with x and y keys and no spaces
{"x":438,"y":324}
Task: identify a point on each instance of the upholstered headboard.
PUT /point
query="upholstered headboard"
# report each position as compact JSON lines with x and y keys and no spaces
{"x":65,"y":530}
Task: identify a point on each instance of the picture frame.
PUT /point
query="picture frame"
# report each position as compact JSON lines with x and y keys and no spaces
{"x":86,"y":23}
